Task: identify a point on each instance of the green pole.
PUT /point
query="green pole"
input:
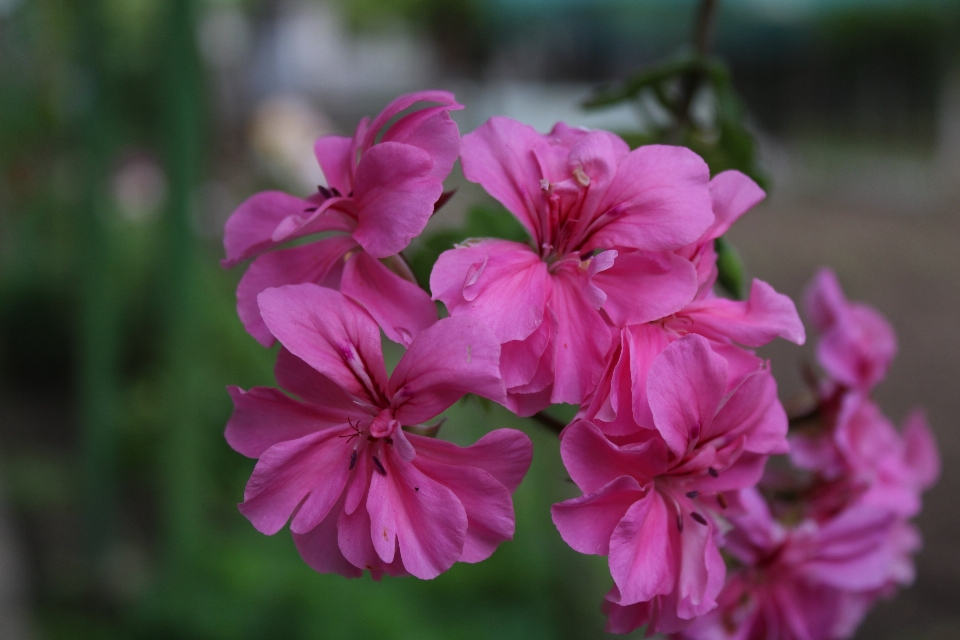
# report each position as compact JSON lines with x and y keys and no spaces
{"x":180,"y":488}
{"x":98,"y":374}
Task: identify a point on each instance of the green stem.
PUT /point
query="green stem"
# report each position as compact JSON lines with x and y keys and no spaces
{"x":181,"y":478}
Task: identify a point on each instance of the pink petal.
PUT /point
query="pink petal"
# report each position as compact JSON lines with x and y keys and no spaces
{"x":499,"y":156}
{"x":520,"y":360}
{"x":824,"y":300}
{"x":593,"y":461}
{"x":400,"y":307}
{"x":597,"y":155}
{"x":645,"y":342}
{"x":702,"y":572}
{"x":503,"y":283}
{"x":263,"y":416}
{"x":433,"y":131}
{"x":306,"y":263}
{"x":659,"y":200}
{"x":859,"y":348}
{"x":356,"y":544}
{"x":395,"y":192}
{"x":402,"y":103}
{"x":753,"y":410}
{"x":732,"y":195}
{"x":583,"y":339}
{"x":587,"y":523}
{"x":754,"y":322}
{"x":329,"y":332}
{"x":250,"y":228}
{"x":299,"y":378}
{"x":336,"y":160}
{"x":315,"y":467}
{"x":421,"y":516}
{"x":852,"y":553}
{"x":486,"y":502}
{"x":643,"y":552}
{"x":525,"y":404}
{"x":453,"y":357}
{"x":745,"y":472}
{"x":684,"y":387}
{"x":643,"y":286}
{"x":320,"y":550}
{"x":503,"y":453}
{"x":921,"y":454}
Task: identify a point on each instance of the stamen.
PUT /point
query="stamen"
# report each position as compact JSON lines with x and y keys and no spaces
{"x":698,"y":518}
{"x":353,"y":459}
{"x":680,"y":523}
{"x":379,"y":465}
{"x":713,"y":472}
{"x":582,"y":178}
{"x":692,"y":494}
{"x":326,"y":193}
{"x":722,"y":499}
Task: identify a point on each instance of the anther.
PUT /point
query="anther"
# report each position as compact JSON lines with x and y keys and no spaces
{"x":680,"y":523}
{"x":698,"y":518}
{"x":326,"y":193}
{"x":692,"y":494}
{"x":353,"y":459}
{"x":379,"y":465}
{"x":722,"y":499}
{"x":713,"y":472}
{"x":582,"y":178}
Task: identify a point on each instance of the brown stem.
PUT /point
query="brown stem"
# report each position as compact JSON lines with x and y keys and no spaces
{"x":702,"y":39}
{"x":549,"y":421}
{"x":703,"y":29}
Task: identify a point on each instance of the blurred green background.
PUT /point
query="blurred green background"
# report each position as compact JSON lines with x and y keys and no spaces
{"x":130,"y":129}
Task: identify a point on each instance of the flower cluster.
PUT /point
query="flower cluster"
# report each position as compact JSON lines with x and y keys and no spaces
{"x":611,"y":306}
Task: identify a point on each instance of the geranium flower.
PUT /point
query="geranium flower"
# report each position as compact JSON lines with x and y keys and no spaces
{"x":619,"y":405}
{"x":359,"y":490}
{"x":812,"y":581}
{"x":603,"y":222}
{"x":382,"y":186}
{"x":650,"y":499}
{"x":857,"y":343}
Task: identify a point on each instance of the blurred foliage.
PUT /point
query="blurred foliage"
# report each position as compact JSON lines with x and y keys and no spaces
{"x":717,"y":131}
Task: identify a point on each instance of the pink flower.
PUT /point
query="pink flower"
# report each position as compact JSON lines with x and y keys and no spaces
{"x":619,"y":404}
{"x":603,"y":221}
{"x":857,"y":343}
{"x":859,"y":455}
{"x":651,"y":499}
{"x":359,"y":490}
{"x":809,"y":582}
{"x":383,"y":184}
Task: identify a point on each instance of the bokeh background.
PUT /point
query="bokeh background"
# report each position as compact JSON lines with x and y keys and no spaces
{"x":130,"y":129}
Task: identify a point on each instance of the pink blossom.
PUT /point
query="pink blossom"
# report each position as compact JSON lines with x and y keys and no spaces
{"x":809,"y":582}
{"x":603,"y":221}
{"x":619,"y":404}
{"x":859,"y":455}
{"x":651,"y":499}
{"x":382,"y":186}
{"x":360,"y":491}
{"x":857,"y":343}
